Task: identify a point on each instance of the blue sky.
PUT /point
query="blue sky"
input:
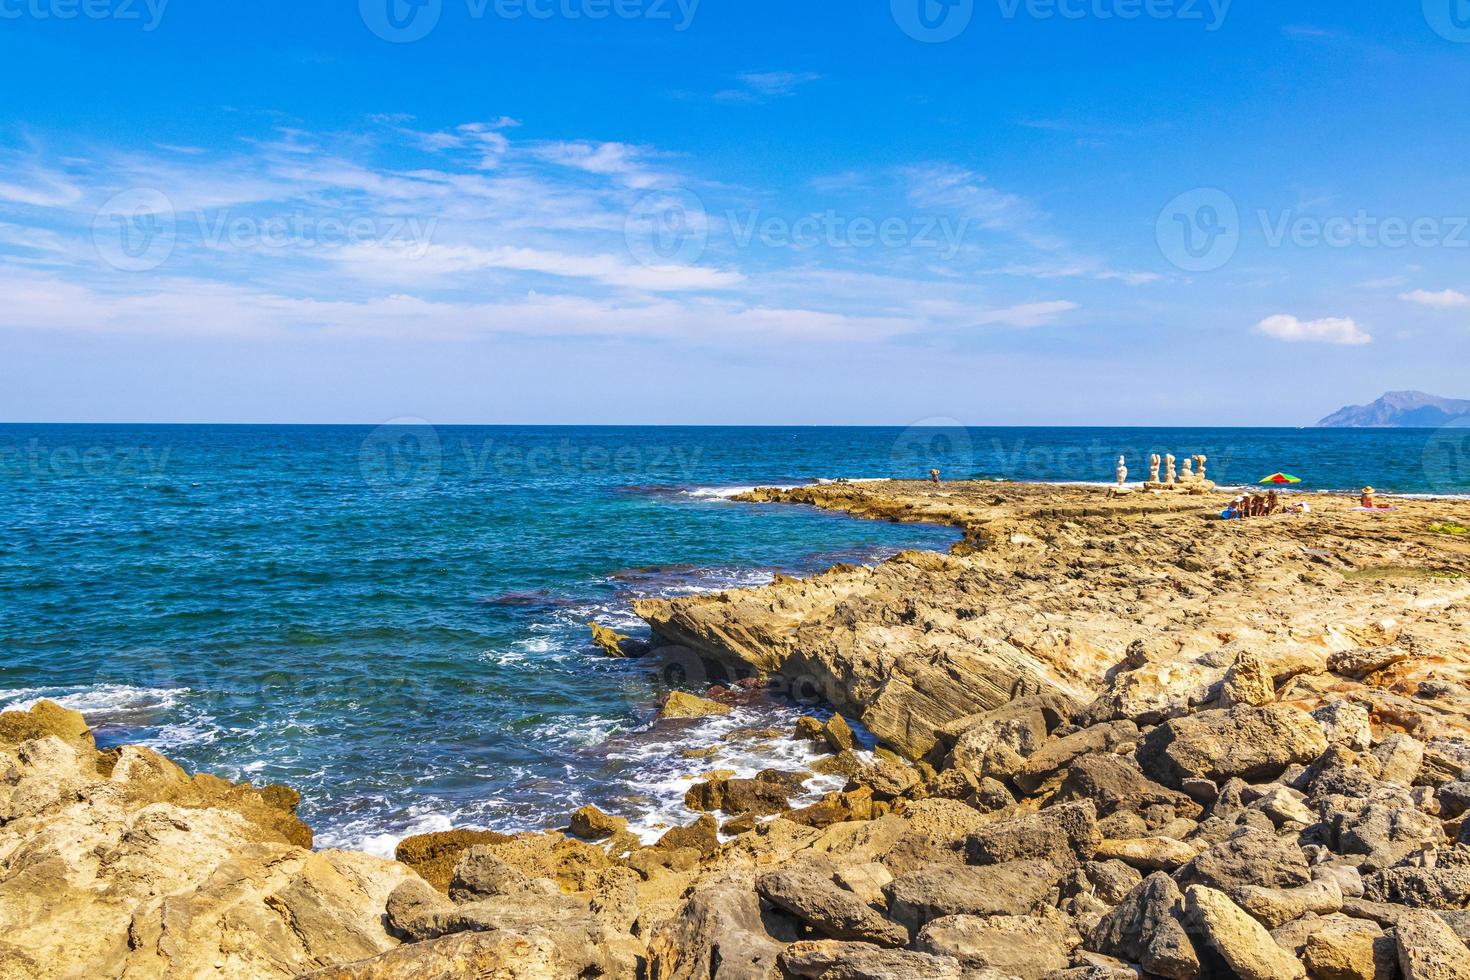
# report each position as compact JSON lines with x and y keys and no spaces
{"x":1003,"y":212}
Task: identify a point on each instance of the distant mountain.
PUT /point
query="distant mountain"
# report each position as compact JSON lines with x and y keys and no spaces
{"x":1399,"y":410}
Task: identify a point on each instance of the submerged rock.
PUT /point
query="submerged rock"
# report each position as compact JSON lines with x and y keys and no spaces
{"x":683,"y":705}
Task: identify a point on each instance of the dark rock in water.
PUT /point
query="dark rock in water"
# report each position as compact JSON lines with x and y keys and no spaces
{"x":809,"y":894}
{"x":936,"y":890}
{"x":758,"y":796}
{"x":590,"y":823}
{"x":615,"y":644}
{"x":831,"y":960}
{"x":838,"y":733}
{"x":1145,"y":928}
{"x":531,"y":598}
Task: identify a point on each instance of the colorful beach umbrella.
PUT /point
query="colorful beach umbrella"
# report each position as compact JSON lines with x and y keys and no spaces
{"x":1281,"y":478}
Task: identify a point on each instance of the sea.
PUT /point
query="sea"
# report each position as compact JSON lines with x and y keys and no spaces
{"x":394,"y":619}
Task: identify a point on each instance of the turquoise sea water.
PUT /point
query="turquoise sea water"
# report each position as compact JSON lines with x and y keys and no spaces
{"x":393,"y":619}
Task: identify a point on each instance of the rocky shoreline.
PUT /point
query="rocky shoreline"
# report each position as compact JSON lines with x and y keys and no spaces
{"x":1116,"y":738}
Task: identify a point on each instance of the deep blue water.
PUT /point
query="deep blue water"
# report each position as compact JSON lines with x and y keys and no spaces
{"x":394,"y":620}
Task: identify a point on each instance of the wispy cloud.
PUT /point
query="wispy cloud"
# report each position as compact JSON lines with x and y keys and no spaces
{"x":467,"y":231}
{"x":763,"y":86}
{"x":1445,"y":299}
{"x":1330,"y":330}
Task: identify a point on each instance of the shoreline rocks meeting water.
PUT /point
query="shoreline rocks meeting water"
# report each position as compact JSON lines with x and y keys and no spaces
{"x":1115,"y":736}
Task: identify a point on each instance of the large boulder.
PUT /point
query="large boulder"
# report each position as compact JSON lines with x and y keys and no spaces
{"x":1255,"y":744}
{"x":435,"y":855}
{"x":809,"y":894}
{"x":1046,"y":763}
{"x":720,"y":933}
{"x":122,"y":864}
{"x":937,"y":890}
{"x":1144,"y":928}
{"x":1114,"y":783}
{"x":1248,"y":857}
{"x":1024,"y":946}
{"x":1063,"y":836}
{"x":683,"y":705}
{"x":1232,"y":940}
{"x":1429,"y":949}
{"x":831,"y":960}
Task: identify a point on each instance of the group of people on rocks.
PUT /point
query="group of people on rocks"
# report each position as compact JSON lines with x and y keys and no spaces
{"x":1263,"y":505}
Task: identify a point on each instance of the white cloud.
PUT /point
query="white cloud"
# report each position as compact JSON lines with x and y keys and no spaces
{"x":1330,"y":330}
{"x":1445,"y":299}
{"x":761,"y":86}
{"x":1026,"y":314}
{"x":620,"y":160}
{"x":472,"y":232}
{"x":416,"y":261}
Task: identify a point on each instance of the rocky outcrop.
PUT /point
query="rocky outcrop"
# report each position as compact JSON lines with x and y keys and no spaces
{"x":1113,"y":739}
{"x":120,"y":863}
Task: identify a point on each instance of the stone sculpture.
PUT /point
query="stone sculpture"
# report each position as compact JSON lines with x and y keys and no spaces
{"x":1153,"y":468}
{"x":1122,"y":471}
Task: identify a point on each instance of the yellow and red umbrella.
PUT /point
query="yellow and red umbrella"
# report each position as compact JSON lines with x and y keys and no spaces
{"x":1279,"y":478}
